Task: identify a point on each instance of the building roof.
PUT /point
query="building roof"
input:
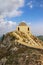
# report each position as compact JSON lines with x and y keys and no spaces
{"x":22,"y":24}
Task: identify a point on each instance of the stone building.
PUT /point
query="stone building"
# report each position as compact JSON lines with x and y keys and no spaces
{"x":23,"y":27}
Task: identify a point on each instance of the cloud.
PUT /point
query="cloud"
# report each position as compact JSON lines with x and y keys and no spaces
{"x":35,"y":3}
{"x":11,"y":8}
{"x":30,"y":4}
{"x":37,"y":28}
{"x":6,"y":26}
{"x":41,"y":5}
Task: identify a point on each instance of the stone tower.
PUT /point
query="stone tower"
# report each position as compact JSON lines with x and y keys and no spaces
{"x":23,"y":27}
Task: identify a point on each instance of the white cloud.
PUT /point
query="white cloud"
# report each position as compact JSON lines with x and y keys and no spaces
{"x":10,"y":8}
{"x":37,"y":28}
{"x":41,"y":5}
{"x":30,"y":4}
{"x":35,"y":3}
{"x":6,"y":26}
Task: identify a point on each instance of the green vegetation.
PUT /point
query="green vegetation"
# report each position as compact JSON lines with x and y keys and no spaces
{"x":0,"y":38}
{"x":40,"y":37}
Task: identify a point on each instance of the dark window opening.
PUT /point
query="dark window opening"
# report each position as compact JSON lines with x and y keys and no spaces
{"x":28,"y":29}
{"x":18,"y":29}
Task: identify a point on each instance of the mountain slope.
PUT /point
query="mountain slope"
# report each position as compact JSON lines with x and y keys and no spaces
{"x":40,"y":37}
{"x":21,"y":48}
{"x":13,"y":52}
{"x":26,"y":39}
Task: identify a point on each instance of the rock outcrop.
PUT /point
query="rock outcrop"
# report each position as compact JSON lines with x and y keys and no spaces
{"x":21,"y":48}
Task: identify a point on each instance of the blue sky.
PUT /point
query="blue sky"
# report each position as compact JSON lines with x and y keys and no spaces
{"x":33,"y":14}
{"x":12,"y":12}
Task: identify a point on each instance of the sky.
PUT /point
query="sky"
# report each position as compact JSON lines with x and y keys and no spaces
{"x":12,"y":12}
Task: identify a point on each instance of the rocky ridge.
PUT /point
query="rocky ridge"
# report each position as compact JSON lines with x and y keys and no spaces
{"x":20,"y":47}
{"x":14,"y":53}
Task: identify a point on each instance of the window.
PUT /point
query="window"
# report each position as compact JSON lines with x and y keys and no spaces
{"x":28,"y":28}
{"x":18,"y":29}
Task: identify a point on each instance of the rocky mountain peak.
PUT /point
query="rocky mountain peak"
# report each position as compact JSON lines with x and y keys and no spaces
{"x":21,"y":48}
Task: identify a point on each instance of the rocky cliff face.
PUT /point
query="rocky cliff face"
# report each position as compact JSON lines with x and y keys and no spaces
{"x":14,"y":53}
